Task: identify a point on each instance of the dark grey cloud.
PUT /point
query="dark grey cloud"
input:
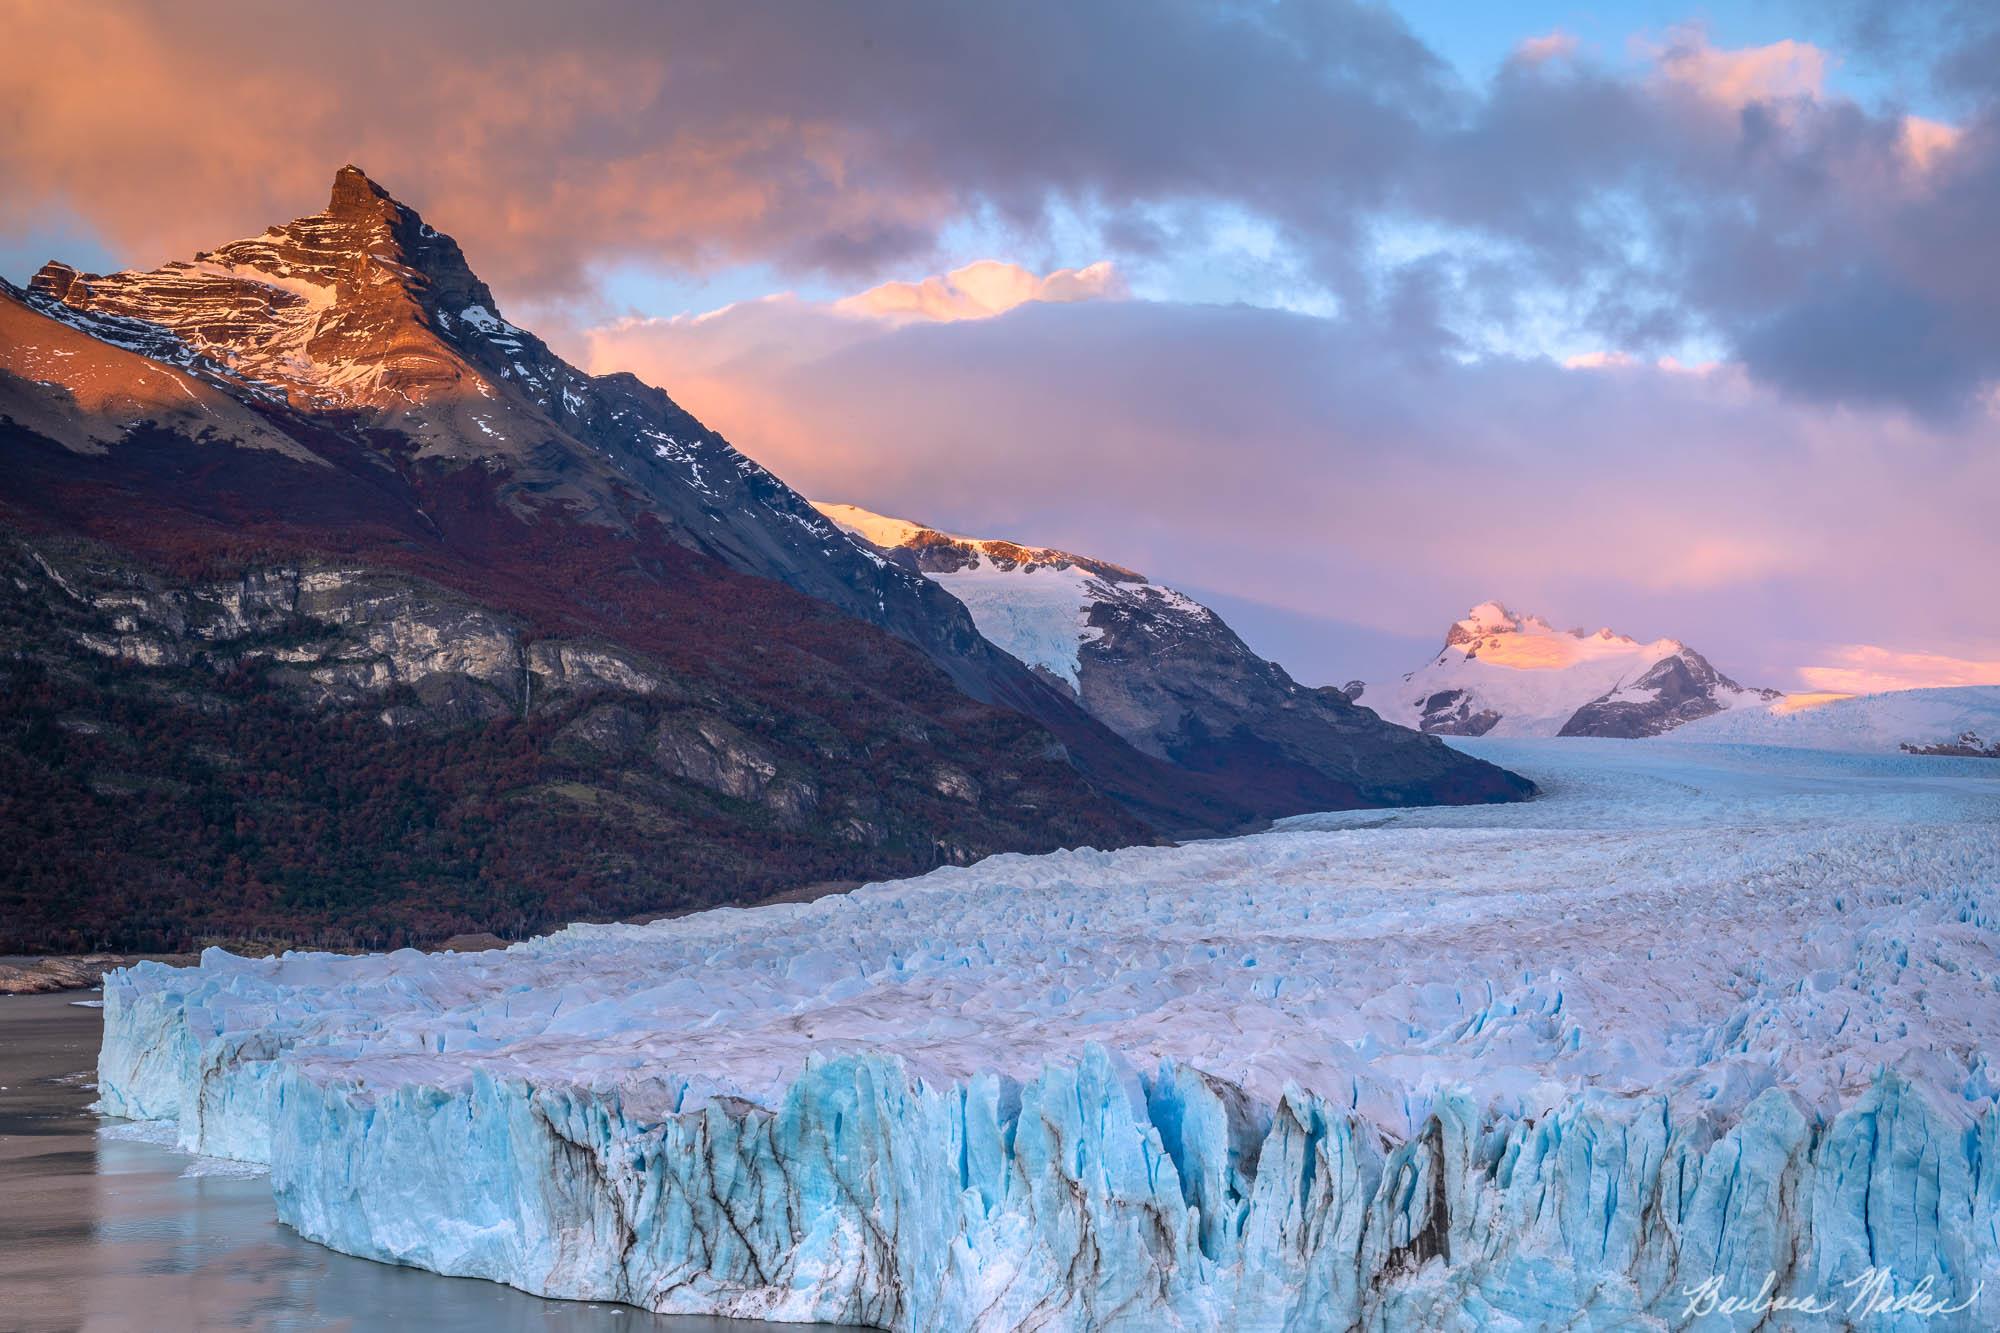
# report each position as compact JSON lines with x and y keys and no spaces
{"x":805,"y":135}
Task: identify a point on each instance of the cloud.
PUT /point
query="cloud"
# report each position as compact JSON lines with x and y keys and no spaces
{"x":1928,"y":140}
{"x":1314,"y":471}
{"x":983,"y":289}
{"x":1867,"y":669}
{"x":1726,"y":560}
{"x":557,"y":140}
{"x":1553,"y":45}
{"x":1726,"y":198}
{"x":1729,"y":200}
{"x":1624,"y":360}
{"x":1736,"y":78}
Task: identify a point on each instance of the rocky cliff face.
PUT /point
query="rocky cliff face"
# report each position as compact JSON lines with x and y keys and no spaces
{"x":1676,"y":689}
{"x":336,"y":637}
{"x":1968,"y":745}
{"x":335,"y":753}
{"x":1168,"y":675}
{"x":1511,"y":675}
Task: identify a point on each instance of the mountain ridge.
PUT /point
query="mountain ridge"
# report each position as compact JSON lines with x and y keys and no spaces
{"x":1167,"y":673}
{"x":1504,"y":674}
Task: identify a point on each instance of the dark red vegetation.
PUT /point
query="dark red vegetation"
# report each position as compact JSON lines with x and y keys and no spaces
{"x":158,"y":807}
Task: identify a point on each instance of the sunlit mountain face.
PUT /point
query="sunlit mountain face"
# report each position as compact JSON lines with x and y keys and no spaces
{"x":1516,"y":675}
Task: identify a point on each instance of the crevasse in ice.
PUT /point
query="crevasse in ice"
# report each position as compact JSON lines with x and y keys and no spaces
{"x":1700,"y":1016}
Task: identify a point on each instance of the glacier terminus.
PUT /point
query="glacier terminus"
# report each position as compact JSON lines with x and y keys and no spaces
{"x":1701,"y":1038}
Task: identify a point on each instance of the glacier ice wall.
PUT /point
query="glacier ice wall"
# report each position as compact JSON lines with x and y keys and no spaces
{"x":1546,"y":1067}
{"x":1087,"y":1199}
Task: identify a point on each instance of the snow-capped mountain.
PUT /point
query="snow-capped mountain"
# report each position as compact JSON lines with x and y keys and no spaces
{"x":614,"y":664}
{"x":1035,"y":602}
{"x":1962,"y":720}
{"x":1508,"y":675}
{"x":1156,"y":666}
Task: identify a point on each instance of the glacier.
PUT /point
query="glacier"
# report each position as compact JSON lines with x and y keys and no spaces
{"x":1868,"y":722}
{"x":1704,"y":1023}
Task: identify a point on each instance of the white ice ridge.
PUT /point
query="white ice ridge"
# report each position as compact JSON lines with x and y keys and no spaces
{"x":1879,"y":722}
{"x":1700,"y":1014}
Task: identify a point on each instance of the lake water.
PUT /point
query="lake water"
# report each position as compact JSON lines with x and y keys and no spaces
{"x":109,"y":1234}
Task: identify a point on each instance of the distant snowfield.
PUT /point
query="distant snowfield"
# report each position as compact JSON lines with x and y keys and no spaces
{"x":1702,"y":1011}
{"x":1866,"y":722}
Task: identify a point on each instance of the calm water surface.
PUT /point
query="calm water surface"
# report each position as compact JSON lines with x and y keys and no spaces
{"x":109,"y":1234}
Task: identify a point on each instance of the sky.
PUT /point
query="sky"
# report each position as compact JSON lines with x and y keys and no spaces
{"x":1675,"y":318}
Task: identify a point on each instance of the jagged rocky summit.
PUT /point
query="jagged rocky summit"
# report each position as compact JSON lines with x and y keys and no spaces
{"x":1508,"y":675}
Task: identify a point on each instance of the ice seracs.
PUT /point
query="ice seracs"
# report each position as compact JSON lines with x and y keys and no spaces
{"x":1700,"y":1014}
{"x":1508,"y":675}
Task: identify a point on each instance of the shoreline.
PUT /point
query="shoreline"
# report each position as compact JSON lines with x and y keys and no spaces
{"x":47,"y":974}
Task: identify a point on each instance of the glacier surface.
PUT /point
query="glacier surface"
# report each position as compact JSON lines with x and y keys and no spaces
{"x":1865,"y":722}
{"x":1701,"y":1023}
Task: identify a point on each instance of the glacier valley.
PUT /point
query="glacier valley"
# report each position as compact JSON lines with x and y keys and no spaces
{"x":1703,"y":1023}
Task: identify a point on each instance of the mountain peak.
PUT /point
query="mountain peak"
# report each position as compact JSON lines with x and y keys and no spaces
{"x":53,"y":280}
{"x":1491,"y":619}
{"x":935,"y":550}
{"x":355,"y":195}
{"x":1485,"y":620}
{"x":1526,"y":677}
{"x":363,"y":305}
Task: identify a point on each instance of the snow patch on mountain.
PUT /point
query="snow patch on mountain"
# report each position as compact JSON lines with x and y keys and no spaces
{"x":1033,"y":602}
{"x":878,"y":529}
{"x":1040,"y":615}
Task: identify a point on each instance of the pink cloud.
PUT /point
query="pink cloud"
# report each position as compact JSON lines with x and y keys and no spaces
{"x":1552,"y":45}
{"x":1699,"y":560}
{"x":1927,"y":140}
{"x":1625,"y":361}
{"x":1734,"y":77}
{"x":545,"y":144}
{"x":1866,"y":669}
{"x":983,"y":289}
